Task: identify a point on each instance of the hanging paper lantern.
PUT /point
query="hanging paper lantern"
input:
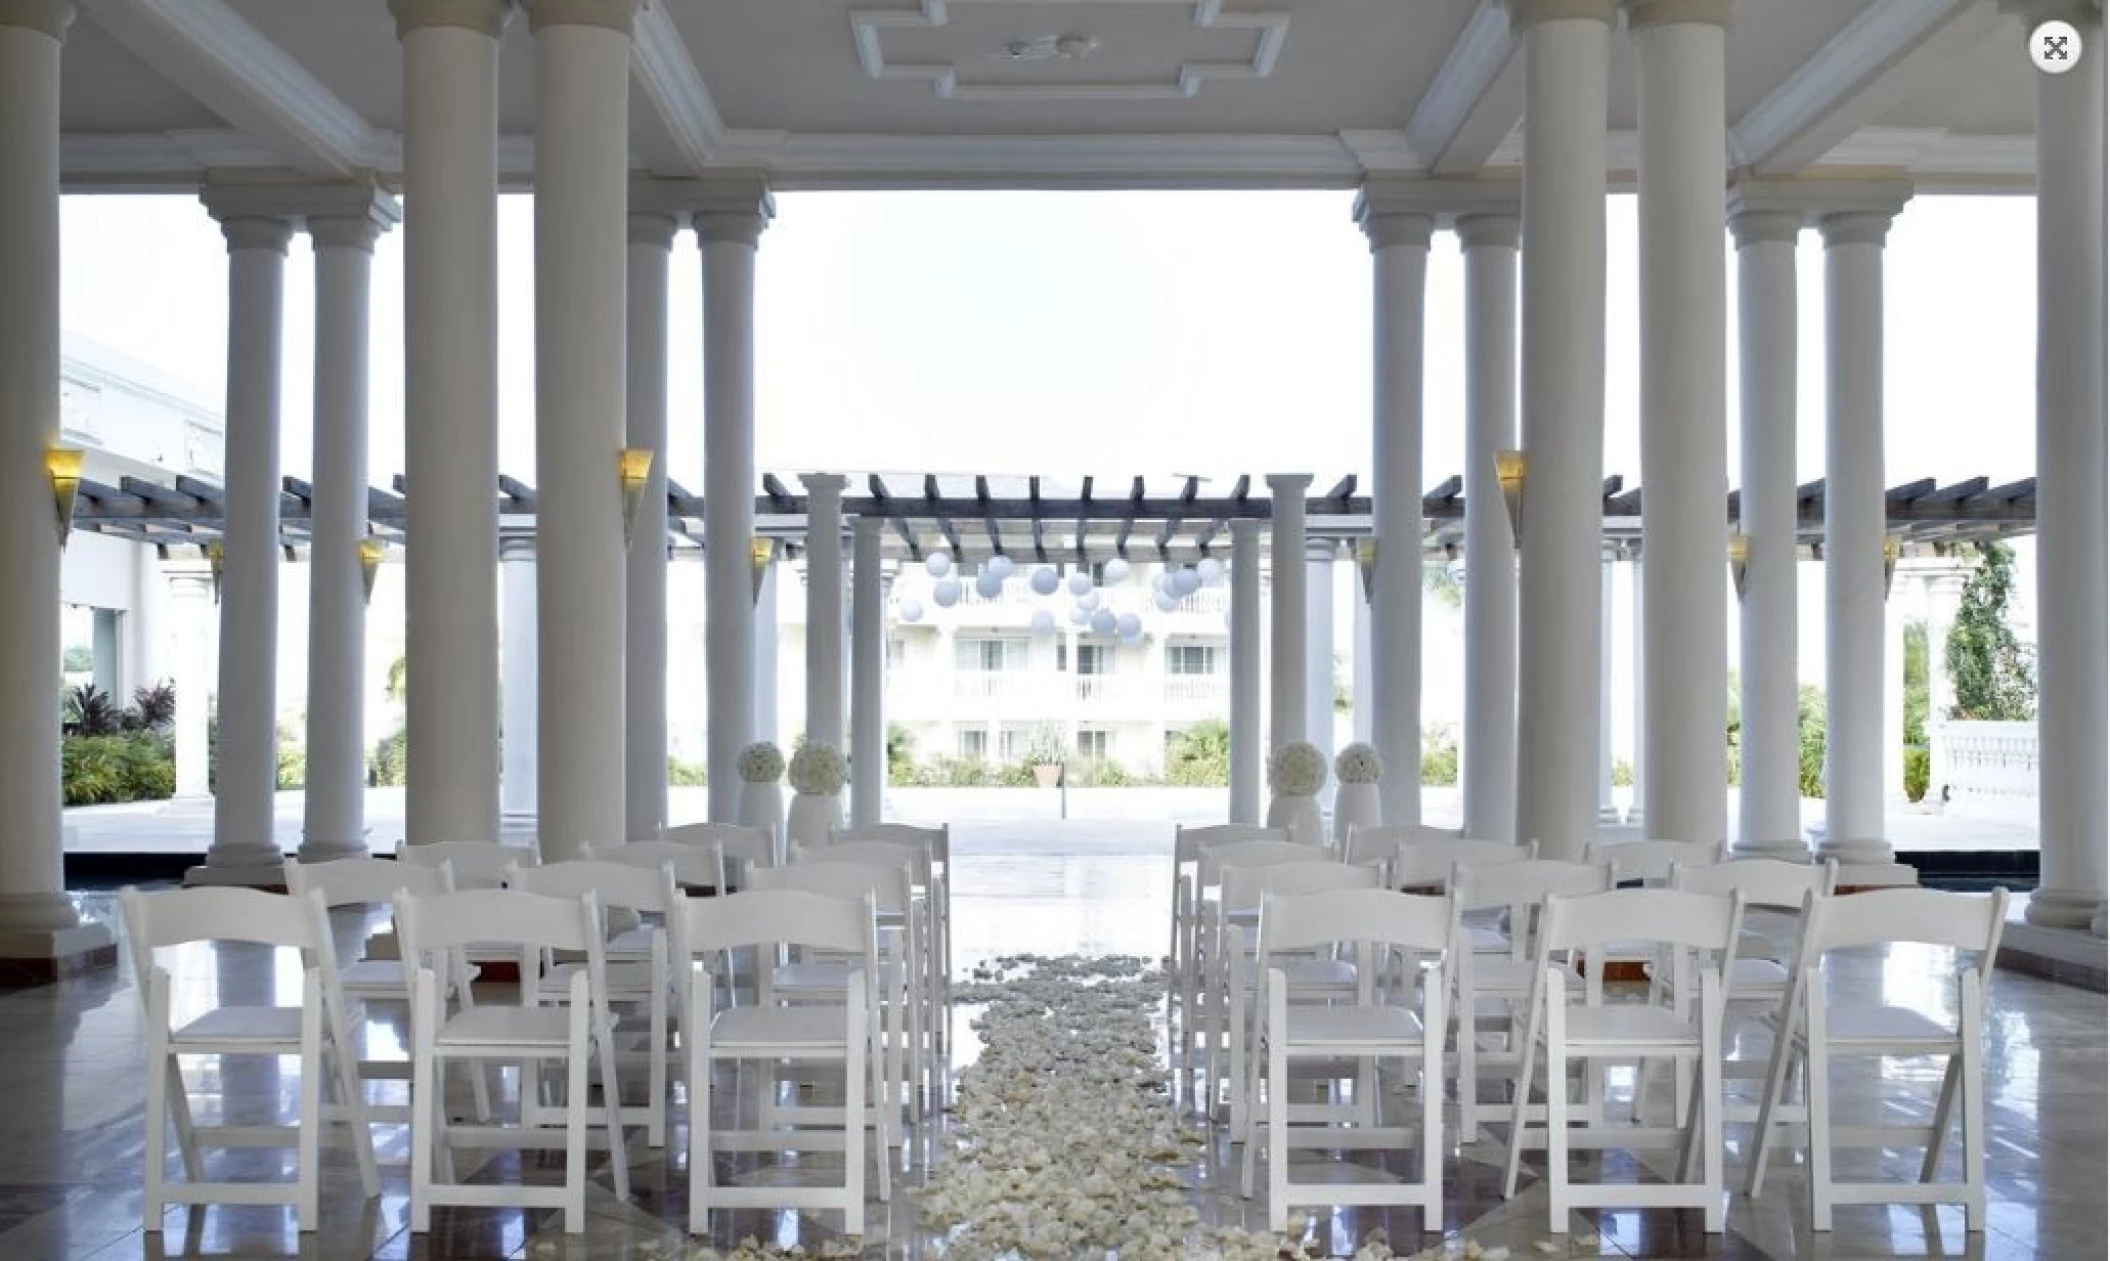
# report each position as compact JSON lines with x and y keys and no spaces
{"x":1043,"y":622}
{"x":988,"y":584}
{"x":1103,"y":622}
{"x":1116,"y":571}
{"x":1211,"y":571}
{"x":912,"y":610}
{"x":1163,"y":582}
{"x":1130,"y":626}
{"x":1166,"y":602}
{"x":1080,"y":582}
{"x":1088,"y":601}
{"x":946,"y":592}
{"x":1045,"y":580}
{"x":1001,"y":565}
{"x":938,"y":564}
{"x":1080,"y":617}
{"x":1186,"y":582}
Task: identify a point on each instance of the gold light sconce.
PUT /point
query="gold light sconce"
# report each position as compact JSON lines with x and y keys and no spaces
{"x":1739,"y":560}
{"x":634,"y":466}
{"x":371,"y":550}
{"x":760,"y":552}
{"x":1509,"y":475}
{"x":63,"y":466}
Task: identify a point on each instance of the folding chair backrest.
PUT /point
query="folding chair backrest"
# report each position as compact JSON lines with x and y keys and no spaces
{"x":477,"y":864}
{"x":633,"y":888}
{"x":1430,"y":863}
{"x":1245,"y":887}
{"x":1189,"y":842}
{"x":791,"y":917}
{"x":914,"y":858}
{"x":1421,"y":923}
{"x":175,"y":917}
{"x":1766,"y":882}
{"x":1526,"y":883}
{"x":888,"y":887}
{"x":694,"y":867}
{"x":366,"y":881}
{"x":1381,"y":841}
{"x":1214,"y":858}
{"x":1961,"y":921}
{"x":937,"y":840}
{"x":1697,"y":921}
{"x":536,"y":921}
{"x":743,"y":846}
{"x":1650,"y":861}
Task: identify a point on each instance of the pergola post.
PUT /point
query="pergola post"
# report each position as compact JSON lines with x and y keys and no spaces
{"x":767,"y":628}
{"x":645,"y":582}
{"x":868,"y":766}
{"x":519,"y":667}
{"x":824,"y":608}
{"x":41,"y":936}
{"x":191,"y":617}
{"x":1319,"y":556}
{"x":1246,"y":656}
{"x":1288,"y":671}
{"x":1489,"y":747}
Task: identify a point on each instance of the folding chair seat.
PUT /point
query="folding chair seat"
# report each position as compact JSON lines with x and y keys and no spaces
{"x":316,"y":1032}
{"x":526,"y":1033}
{"x":845,"y":1035}
{"x":1697,"y":934}
{"x":634,"y":983}
{"x":1187,"y":846}
{"x":1378,"y":1025}
{"x":1817,"y":1031}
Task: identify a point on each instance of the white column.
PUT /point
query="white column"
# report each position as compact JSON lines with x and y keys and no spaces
{"x":867,"y":674}
{"x":1319,"y":555}
{"x":146,"y":629}
{"x":1566,"y":51}
{"x":1636,"y":573}
{"x":728,"y":232}
{"x":450,"y":414}
{"x":190,"y":589}
{"x":39,"y":930}
{"x":1288,"y":671}
{"x":645,"y":582}
{"x":767,"y":724}
{"x":1362,"y":702}
{"x":1246,"y":656}
{"x":824,"y":608}
{"x":1607,"y":812}
{"x":1399,"y":249}
{"x":244,"y":839}
{"x":520,"y":670}
{"x":582,"y":128}
{"x":1769,"y":799}
{"x":1684,"y":436}
{"x":1854,"y":508}
{"x":335,"y":823}
{"x":2073,"y":568}
{"x":1895,"y":615}
{"x":1489,"y":242}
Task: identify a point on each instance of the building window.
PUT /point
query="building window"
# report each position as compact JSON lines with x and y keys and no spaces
{"x":1093,"y":745}
{"x":1095,"y":658}
{"x":974,"y":746}
{"x":1012,"y":743}
{"x":1192,"y":659}
{"x":1062,"y":655}
{"x":990,"y":653}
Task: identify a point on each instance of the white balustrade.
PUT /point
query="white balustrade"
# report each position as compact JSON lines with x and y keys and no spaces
{"x":1984,"y":769}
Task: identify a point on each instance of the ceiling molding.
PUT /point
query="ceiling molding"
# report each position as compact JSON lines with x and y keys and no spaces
{"x":209,"y":51}
{"x":1868,"y":67}
{"x":670,"y":80}
{"x":1475,"y":100}
{"x":1056,"y":162}
{"x":1383,"y":150}
{"x":156,"y":162}
{"x":1270,"y":28}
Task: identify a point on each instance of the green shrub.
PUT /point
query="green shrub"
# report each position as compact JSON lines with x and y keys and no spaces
{"x":1809,"y":723}
{"x":1101,"y":773}
{"x":682,"y":774}
{"x":388,"y":765}
{"x":1916,"y":770}
{"x":98,"y":770}
{"x":1439,"y":756}
{"x":1200,"y":756}
{"x":292,"y":765}
{"x":1622,"y":773}
{"x":900,"y":755}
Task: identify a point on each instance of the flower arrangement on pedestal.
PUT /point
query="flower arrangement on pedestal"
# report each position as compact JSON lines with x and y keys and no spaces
{"x":1295,"y":774}
{"x":1358,"y":769}
{"x":818,"y":773}
{"x":761,"y":800}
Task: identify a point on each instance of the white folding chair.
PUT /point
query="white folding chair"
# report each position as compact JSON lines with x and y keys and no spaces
{"x":917,"y":859}
{"x":1378,"y":843}
{"x":634,"y":982}
{"x":315,"y":1031}
{"x":938,"y":841}
{"x":765,"y":920}
{"x":1376,"y":1026}
{"x":698,"y":869}
{"x":739,"y":847}
{"x":1819,"y":1031}
{"x":476,"y":864}
{"x":1187,"y":845}
{"x":1649,"y":862}
{"x":367,"y":883}
{"x":1698,"y":932}
{"x":525,"y":1033}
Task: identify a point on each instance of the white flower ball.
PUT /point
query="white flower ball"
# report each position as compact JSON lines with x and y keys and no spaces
{"x":988,"y":584}
{"x":1043,"y":622}
{"x":1079,"y":582}
{"x":1001,"y":565}
{"x":912,"y":610}
{"x":1045,"y":580}
{"x":1211,"y":570}
{"x":819,"y":770}
{"x":1165,"y":602}
{"x":761,"y":763}
{"x":1116,"y":571}
{"x":1129,"y":625}
{"x":1080,"y":616}
{"x":1103,"y":622}
{"x":1088,"y":601}
{"x":938,"y":564}
{"x":946,"y":592}
{"x":1358,"y":764}
{"x":1297,"y":769}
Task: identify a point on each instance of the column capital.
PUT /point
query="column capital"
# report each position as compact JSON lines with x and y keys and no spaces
{"x":256,"y":232}
{"x":1322,"y":551}
{"x":1855,"y":227}
{"x":824,"y":485}
{"x":1246,"y":529}
{"x":1763,"y":227}
{"x":730,"y":205}
{"x":1283,"y":484}
{"x":516,"y":547}
{"x":1526,"y":13}
{"x":351,"y":217}
{"x":653,"y":227}
{"x":49,"y":17}
{"x":1818,"y":198}
{"x":1489,"y":230}
{"x":292,"y":202}
{"x":1641,"y":15}
{"x":614,"y":15}
{"x":485,"y":17}
{"x":1389,"y":205}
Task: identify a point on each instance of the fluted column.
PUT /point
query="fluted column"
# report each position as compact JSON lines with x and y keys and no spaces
{"x":1399,"y":251}
{"x":1854,"y":510}
{"x":728,"y":230}
{"x":335,"y":823}
{"x":191,"y":619}
{"x":867,"y":674}
{"x":40,"y":934}
{"x":645,"y":584}
{"x":824,"y":608}
{"x":1566,"y":51}
{"x":245,"y":844}
{"x":582,"y":159}
{"x":1288,"y":672}
{"x":2073,"y":567}
{"x":519,"y":669}
{"x":450,"y":414}
{"x":1489,"y":751}
{"x":1607,"y":811}
{"x":1247,"y":740}
{"x":1363,"y":688}
{"x":767,"y":629}
{"x":1319,"y":558}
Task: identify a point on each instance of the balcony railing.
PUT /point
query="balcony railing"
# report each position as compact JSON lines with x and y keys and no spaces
{"x":1197,"y":689}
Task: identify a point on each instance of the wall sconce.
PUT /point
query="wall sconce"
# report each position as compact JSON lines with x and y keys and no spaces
{"x":1891,"y":551}
{"x":216,"y":558}
{"x":760,"y":552}
{"x":63,"y":466}
{"x":634,"y":465}
{"x":1366,"y":564}
{"x":371,"y":550}
{"x":1509,"y":475}
{"x":1739,"y":560}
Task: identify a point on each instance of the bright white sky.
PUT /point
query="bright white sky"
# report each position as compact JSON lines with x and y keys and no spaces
{"x":1065,"y":333}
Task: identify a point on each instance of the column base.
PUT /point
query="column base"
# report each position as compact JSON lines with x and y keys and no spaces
{"x":1786,"y":849}
{"x":270,"y":875}
{"x":39,"y":956}
{"x":313,"y":851}
{"x":2053,"y":908}
{"x":1851,"y":851}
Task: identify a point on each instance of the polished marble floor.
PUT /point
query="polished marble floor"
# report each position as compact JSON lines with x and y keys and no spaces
{"x":71,"y":1122}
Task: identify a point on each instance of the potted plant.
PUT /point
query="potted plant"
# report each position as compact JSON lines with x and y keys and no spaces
{"x":1295,"y":774}
{"x":1355,"y":803}
{"x":818,"y":772}
{"x":1045,"y":754}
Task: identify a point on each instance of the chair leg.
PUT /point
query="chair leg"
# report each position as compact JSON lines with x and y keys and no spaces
{"x":699,"y":1074}
{"x":1710,"y":1102}
{"x":153,"y":1200}
{"x":859,"y":1065}
{"x":612,"y":1105}
{"x":1938,"y":1132}
{"x":426,"y":1106}
{"x":577,"y":1100}
{"x":1972,"y":1101}
{"x":1774,"y":1098}
{"x":1819,"y":1072}
{"x":1277,"y":1107}
{"x":309,"y":1180}
{"x":1557,"y":1195}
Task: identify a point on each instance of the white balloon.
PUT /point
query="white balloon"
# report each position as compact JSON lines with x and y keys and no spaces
{"x":989,"y":584}
{"x":1186,"y":582}
{"x":1103,"y":622}
{"x":1080,"y":617}
{"x":1043,"y":622}
{"x":1045,"y":580}
{"x":1080,"y":582}
{"x":1166,"y":602}
{"x":912,"y":610}
{"x":946,"y":592}
{"x":1130,"y":626}
{"x":938,"y":564}
{"x":1088,"y":601}
{"x":1211,"y":570}
{"x":1116,"y":571}
{"x":1001,"y":566}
